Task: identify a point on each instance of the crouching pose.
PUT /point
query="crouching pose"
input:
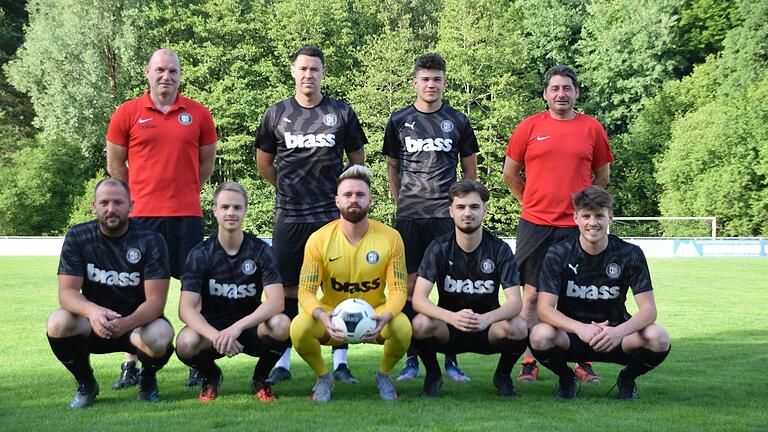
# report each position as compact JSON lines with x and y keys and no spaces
{"x":469,"y":265}
{"x":221,"y":305}
{"x":352,"y":257}
{"x":113,"y":284}
{"x":582,"y":291}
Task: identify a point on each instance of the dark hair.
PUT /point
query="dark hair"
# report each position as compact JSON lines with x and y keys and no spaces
{"x":355,"y":172}
{"x":232,"y":187}
{"x":429,"y":61}
{"x":592,"y":198}
{"x":309,"y":50}
{"x":560,"y":70}
{"x":464,"y":187}
{"x":113,"y":181}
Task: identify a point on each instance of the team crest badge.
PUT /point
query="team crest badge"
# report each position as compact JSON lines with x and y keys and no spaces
{"x":446,"y":125}
{"x":372,"y":257}
{"x":185,"y":118}
{"x":248,"y":267}
{"x":487,"y":266}
{"x":613,"y":271}
{"x":330,"y":119}
{"x":133,"y":256}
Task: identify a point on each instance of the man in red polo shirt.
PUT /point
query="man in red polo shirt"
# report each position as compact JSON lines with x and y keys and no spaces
{"x":562,"y":152}
{"x":164,"y":146}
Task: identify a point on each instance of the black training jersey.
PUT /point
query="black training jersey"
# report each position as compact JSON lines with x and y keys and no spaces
{"x":310,"y":145}
{"x":594,"y":287}
{"x":469,"y":280}
{"x":428,"y":146}
{"x":230,"y":285}
{"x":114,"y":268}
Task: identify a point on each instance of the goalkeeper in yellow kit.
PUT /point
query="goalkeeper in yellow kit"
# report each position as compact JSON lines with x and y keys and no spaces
{"x":352,"y":257}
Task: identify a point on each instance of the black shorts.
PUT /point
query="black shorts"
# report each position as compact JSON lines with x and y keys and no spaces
{"x":462,"y":342}
{"x":181,"y":234}
{"x":532,"y":244}
{"x":417,"y":234}
{"x":99,"y":345}
{"x":580,"y":351}
{"x":288,"y":241}
{"x":249,"y":339}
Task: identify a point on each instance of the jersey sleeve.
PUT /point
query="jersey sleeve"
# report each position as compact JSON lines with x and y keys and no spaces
{"x":71,"y":259}
{"x":468,"y":144}
{"x":508,"y":274}
{"x":355,"y":137}
{"x":391,"y":146}
{"x":397,"y":286}
{"x":603,"y":154}
{"x":433,"y":265}
{"x":194,"y":271}
{"x":270,"y":272}
{"x":157,"y":265}
{"x":551,"y":276}
{"x":118,"y":131}
{"x":208,"y":130}
{"x":518,"y":143}
{"x":312,"y":275}
{"x":265,"y":136}
{"x":640,"y":276}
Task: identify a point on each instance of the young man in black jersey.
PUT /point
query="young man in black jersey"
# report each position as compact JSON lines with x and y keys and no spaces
{"x":582,"y":291}
{"x":469,"y":266}
{"x":423,"y":144}
{"x":221,"y":305}
{"x":113,"y":284}
{"x":308,"y":134}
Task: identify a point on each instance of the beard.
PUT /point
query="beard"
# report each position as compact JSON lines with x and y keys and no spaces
{"x":469,"y":229}
{"x":354,"y":214}
{"x":109,"y":225}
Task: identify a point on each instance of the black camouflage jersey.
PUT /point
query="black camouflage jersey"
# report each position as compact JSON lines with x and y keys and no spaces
{"x":114,"y":268}
{"x":428,"y":146}
{"x":469,"y":280}
{"x":310,"y":144}
{"x":594,"y":287}
{"x":230,"y":285}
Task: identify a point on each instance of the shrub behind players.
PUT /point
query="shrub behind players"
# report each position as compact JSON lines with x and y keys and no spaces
{"x":352,"y":257}
{"x":469,"y":265}
{"x":582,"y":290}
{"x":221,"y":305}
{"x":113,"y":284}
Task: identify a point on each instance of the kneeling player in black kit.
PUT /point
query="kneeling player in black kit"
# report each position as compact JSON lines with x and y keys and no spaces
{"x":469,"y":265}
{"x":221,"y":299}
{"x":122,"y":269}
{"x":582,"y":291}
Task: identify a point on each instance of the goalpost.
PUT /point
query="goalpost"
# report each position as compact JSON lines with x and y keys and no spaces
{"x":666,"y":226}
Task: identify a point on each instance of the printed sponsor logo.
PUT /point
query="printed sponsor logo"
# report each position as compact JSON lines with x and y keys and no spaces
{"x":355,"y":287}
{"x":468,"y":286}
{"x":428,"y":144}
{"x":591,"y":292}
{"x":308,"y":141}
{"x":111,"y":277}
{"x":233,"y":291}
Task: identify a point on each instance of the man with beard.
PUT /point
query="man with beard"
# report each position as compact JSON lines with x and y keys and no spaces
{"x":469,"y":266}
{"x":341,"y":258}
{"x":113,"y":284}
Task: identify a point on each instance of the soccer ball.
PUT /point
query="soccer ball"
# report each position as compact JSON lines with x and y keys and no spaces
{"x":353,"y":317}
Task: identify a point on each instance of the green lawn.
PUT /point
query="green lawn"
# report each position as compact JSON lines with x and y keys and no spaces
{"x":714,"y":379}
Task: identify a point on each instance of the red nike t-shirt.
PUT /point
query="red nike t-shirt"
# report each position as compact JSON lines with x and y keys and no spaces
{"x":163,"y":153}
{"x":559,"y":157}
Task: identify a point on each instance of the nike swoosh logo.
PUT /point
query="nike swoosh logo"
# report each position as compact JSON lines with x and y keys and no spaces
{"x":141,"y":120}
{"x":333,"y":259}
{"x":286,"y":120}
{"x":542,"y":138}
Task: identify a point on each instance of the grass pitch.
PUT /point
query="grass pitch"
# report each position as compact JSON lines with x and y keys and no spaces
{"x":714,"y":378}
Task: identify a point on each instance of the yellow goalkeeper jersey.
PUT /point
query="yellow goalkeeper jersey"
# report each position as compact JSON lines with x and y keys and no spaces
{"x":363,"y":270}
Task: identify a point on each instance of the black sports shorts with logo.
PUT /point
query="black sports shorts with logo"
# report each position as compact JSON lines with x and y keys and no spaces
{"x":580,"y":351}
{"x":417,"y":234}
{"x":288,"y":241}
{"x":532,"y":244}
{"x":181,"y":234}
{"x":99,"y":345}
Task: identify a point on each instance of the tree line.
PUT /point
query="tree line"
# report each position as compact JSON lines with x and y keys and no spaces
{"x":678,"y":85}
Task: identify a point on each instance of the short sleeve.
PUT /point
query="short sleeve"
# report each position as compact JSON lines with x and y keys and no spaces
{"x":265,"y":137}
{"x":194,"y":271}
{"x":640,"y":276}
{"x":355,"y":138}
{"x":433,"y":266}
{"x":391,"y":146}
{"x":518,"y":143}
{"x":508,"y":274}
{"x":550,"y":278}
{"x":208,"y":130}
{"x":270,"y":272}
{"x":468,"y":144}
{"x":602,"y":150}
{"x":71,"y":258}
{"x":157,"y":265}
{"x":118,"y":131}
